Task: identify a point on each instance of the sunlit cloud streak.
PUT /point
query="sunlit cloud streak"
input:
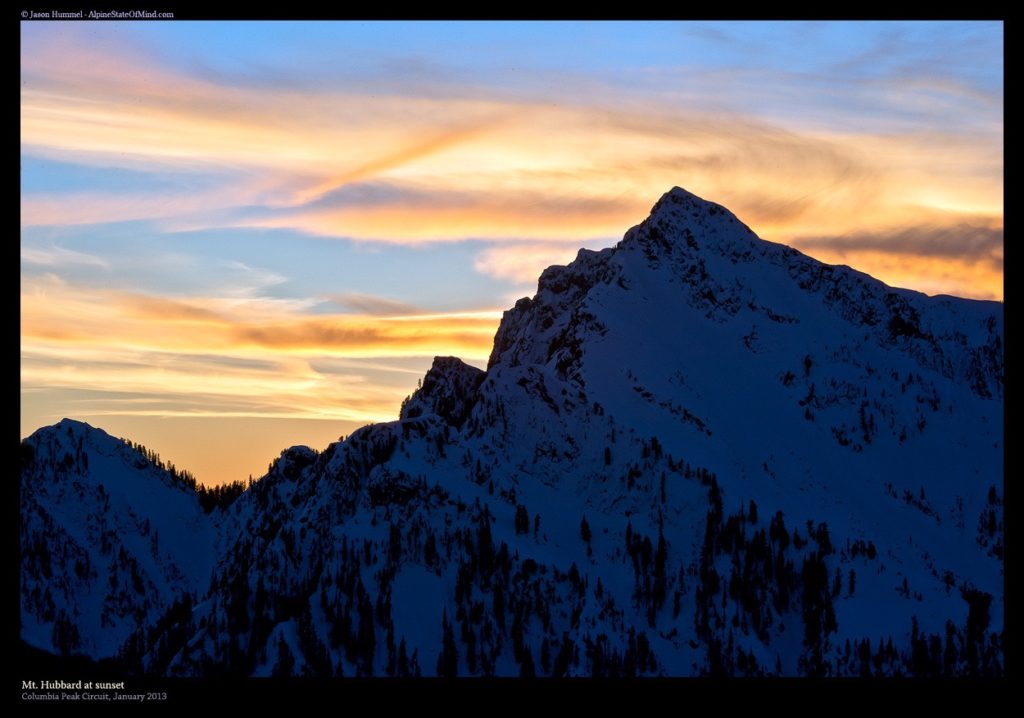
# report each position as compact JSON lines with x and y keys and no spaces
{"x":54,"y":311}
{"x":204,"y":357}
{"x":931,"y":275}
{"x":963,"y":241}
{"x":375,"y":306}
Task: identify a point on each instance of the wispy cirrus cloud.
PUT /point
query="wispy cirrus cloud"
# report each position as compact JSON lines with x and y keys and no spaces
{"x":220,"y":383}
{"x":97,"y":207}
{"x":407,"y":213}
{"x":931,"y":275}
{"x":54,"y":311}
{"x":961,"y":241}
{"x":57,"y":256}
{"x":372,"y":305}
{"x":523,"y":263}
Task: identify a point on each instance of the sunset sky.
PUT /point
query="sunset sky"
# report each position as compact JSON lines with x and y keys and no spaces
{"x":240,"y":236}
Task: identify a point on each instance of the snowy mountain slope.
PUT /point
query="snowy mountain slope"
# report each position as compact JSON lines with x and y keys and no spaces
{"x":695,"y":452}
{"x":108,"y":540}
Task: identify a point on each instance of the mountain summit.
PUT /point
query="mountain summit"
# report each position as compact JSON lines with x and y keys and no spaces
{"x":696,"y":452}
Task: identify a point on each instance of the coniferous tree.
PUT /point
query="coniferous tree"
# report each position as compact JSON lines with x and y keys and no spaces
{"x":402,"y":670}
{"x":526,"y":669}
{"x":522,"y":520}
{"x":448,"y":659}
{"x":285,"y":665}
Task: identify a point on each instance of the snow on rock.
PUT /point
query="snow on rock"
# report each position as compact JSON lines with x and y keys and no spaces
{"x":109,"y":540}
{"x":696,"y":452}
{"x":448,"y":391}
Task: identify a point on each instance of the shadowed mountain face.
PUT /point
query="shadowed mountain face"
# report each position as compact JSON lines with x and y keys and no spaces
{"x":694,"y":453}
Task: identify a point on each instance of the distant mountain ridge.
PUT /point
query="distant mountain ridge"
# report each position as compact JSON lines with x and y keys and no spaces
{"x":696,"y":452}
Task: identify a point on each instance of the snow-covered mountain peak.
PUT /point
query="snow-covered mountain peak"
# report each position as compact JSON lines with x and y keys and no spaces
{"x":700,"y":259}
{"x":292,"y":461}
{"x":110,"y":536}
{"x":73,"y":424}
{"x":682,"y":234}
{"x":683,"y":208}
{"x":69,"y":432}
{"x":683,"y":223}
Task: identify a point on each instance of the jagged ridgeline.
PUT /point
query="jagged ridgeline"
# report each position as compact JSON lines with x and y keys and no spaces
{"x":694,"y":453}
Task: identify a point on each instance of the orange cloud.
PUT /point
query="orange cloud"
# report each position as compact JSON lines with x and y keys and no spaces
{"x":211,"y":356}
{"x":420,"y":148}
{"x":218,"y":324}
{"x":373,"y":305}
{"x":928,"y":274}
{"x":457,"y":216}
